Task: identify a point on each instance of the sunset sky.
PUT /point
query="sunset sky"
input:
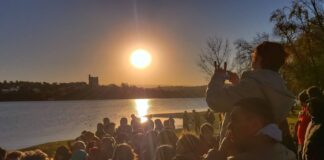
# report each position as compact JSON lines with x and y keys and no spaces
{"x":65,"y":40}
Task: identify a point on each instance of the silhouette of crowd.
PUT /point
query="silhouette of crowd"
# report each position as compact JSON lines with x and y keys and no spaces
{"x":253,"y":113}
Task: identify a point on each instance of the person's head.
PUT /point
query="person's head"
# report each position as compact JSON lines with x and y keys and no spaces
{"x":247,"y":118}
{"x":316,"y":108}
{"x":123,"y":121}
{"x":269,"y":55}
{"x":100,"y":127}
{"x":188,"y":143}
{"x":133,"y":116}
{"x":303,"y":98}
{"x":107,"y":146}
{"x":193,"y":110}
{"x":207,"y":131}
{"x":106,"y":121}
{"x":158,"y":124}
{"x":314,"y":92}
{"x":15,"y":155}
{"x":3,"y":154}
{"x":151,"y":139}
{"x":124,"y":152}
{"x":166,"y":124}
{"x":164,"y":152}
{"x":78,"y":145}
{"x":62,"y":153}
{"x":167,"y":137}
{"x":35,"y":155}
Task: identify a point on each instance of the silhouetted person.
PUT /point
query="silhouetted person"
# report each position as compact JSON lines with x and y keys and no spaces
{"x":62,"y":153}
{"x":196,"y":119}
{"x":314,"y":92}
{"x":252,"y":134}
{"x":263,"y":81}
{"x":100,"y":130}
{"x":302,"y":123}
{"x":158,"y":125}
{"x":188,"y":148}
{"x":79,"y":151}
{"x":166,"y":124}
{"x":107,"y":147}
{"x":124,"y":128}
{"x":135,"y":123}
{"x":210,"y":117}
{"x":185,"y":121}
{"x":124,"y":152}
{"x":149,"y":124}
{"x":106,"y":122}
{"x":167,"y":137}
{"x":16,"y":155}
{"x":165,"y":152}
{"x":171,"y":122}
{"x":35,"y":155}
{"x":314,"y":138}
{"x":150,"y":144}
{"x":207,"y":139}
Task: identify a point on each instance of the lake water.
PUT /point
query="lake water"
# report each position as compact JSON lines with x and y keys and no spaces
{"x":23,"y":124}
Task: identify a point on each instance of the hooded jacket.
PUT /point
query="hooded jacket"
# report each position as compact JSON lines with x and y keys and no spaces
{"x":260,"y":83}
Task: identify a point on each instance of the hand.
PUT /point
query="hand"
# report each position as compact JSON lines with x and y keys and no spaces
{"x":219,"y":71}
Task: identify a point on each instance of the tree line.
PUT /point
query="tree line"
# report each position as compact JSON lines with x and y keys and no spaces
{"x":37,"y":91}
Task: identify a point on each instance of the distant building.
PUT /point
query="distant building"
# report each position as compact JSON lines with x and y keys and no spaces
{"x":93,"y":81}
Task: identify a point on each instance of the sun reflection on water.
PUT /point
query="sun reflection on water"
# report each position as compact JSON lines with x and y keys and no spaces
{"x":142,"y":106}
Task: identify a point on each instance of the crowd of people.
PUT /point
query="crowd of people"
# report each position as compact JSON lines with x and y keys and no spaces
{"x":129,"y":141}
{"x":253,"y":111}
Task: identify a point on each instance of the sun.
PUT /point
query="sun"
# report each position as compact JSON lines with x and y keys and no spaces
{"x":140,"y":58}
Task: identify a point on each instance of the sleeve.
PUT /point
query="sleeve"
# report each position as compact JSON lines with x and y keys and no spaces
{"x":221,"y":98}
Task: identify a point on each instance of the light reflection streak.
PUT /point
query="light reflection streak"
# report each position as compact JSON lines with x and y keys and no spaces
{"x":142,"y":106}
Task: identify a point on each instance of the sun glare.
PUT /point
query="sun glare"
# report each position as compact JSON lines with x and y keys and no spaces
{"x":142,"y":106}
{"x":140,"y":58}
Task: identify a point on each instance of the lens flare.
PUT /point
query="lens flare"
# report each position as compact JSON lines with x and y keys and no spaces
{"x":142,"y":106}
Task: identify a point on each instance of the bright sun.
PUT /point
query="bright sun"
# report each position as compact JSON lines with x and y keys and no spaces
{"x":140,"y":58}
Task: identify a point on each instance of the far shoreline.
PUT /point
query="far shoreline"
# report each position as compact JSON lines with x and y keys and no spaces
{"x":63,"y":100}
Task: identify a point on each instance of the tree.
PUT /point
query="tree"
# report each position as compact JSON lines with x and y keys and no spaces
{"x":217,"y":50}
{"x":300,"y":27}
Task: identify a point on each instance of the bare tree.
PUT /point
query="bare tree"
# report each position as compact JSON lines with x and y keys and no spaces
{"x":217,"y":50}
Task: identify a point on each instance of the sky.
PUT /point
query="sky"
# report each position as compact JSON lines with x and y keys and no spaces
{"x":65,"y":41}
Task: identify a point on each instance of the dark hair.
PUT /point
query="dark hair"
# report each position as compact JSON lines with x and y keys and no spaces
{"x":35,"y":155}
{"x":314,"y":92}
{"x":188,"y":143}
{"x":63,"y":152}
{"x":15,"y":155}
{"x":316,"y":108}
{"x":258,"y":107}
{"x":206,"y":126}
{"x":303,"y":96}
{"x":272,"y":54}
{"x":164,"y":152}
{"x":124,"y":152}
